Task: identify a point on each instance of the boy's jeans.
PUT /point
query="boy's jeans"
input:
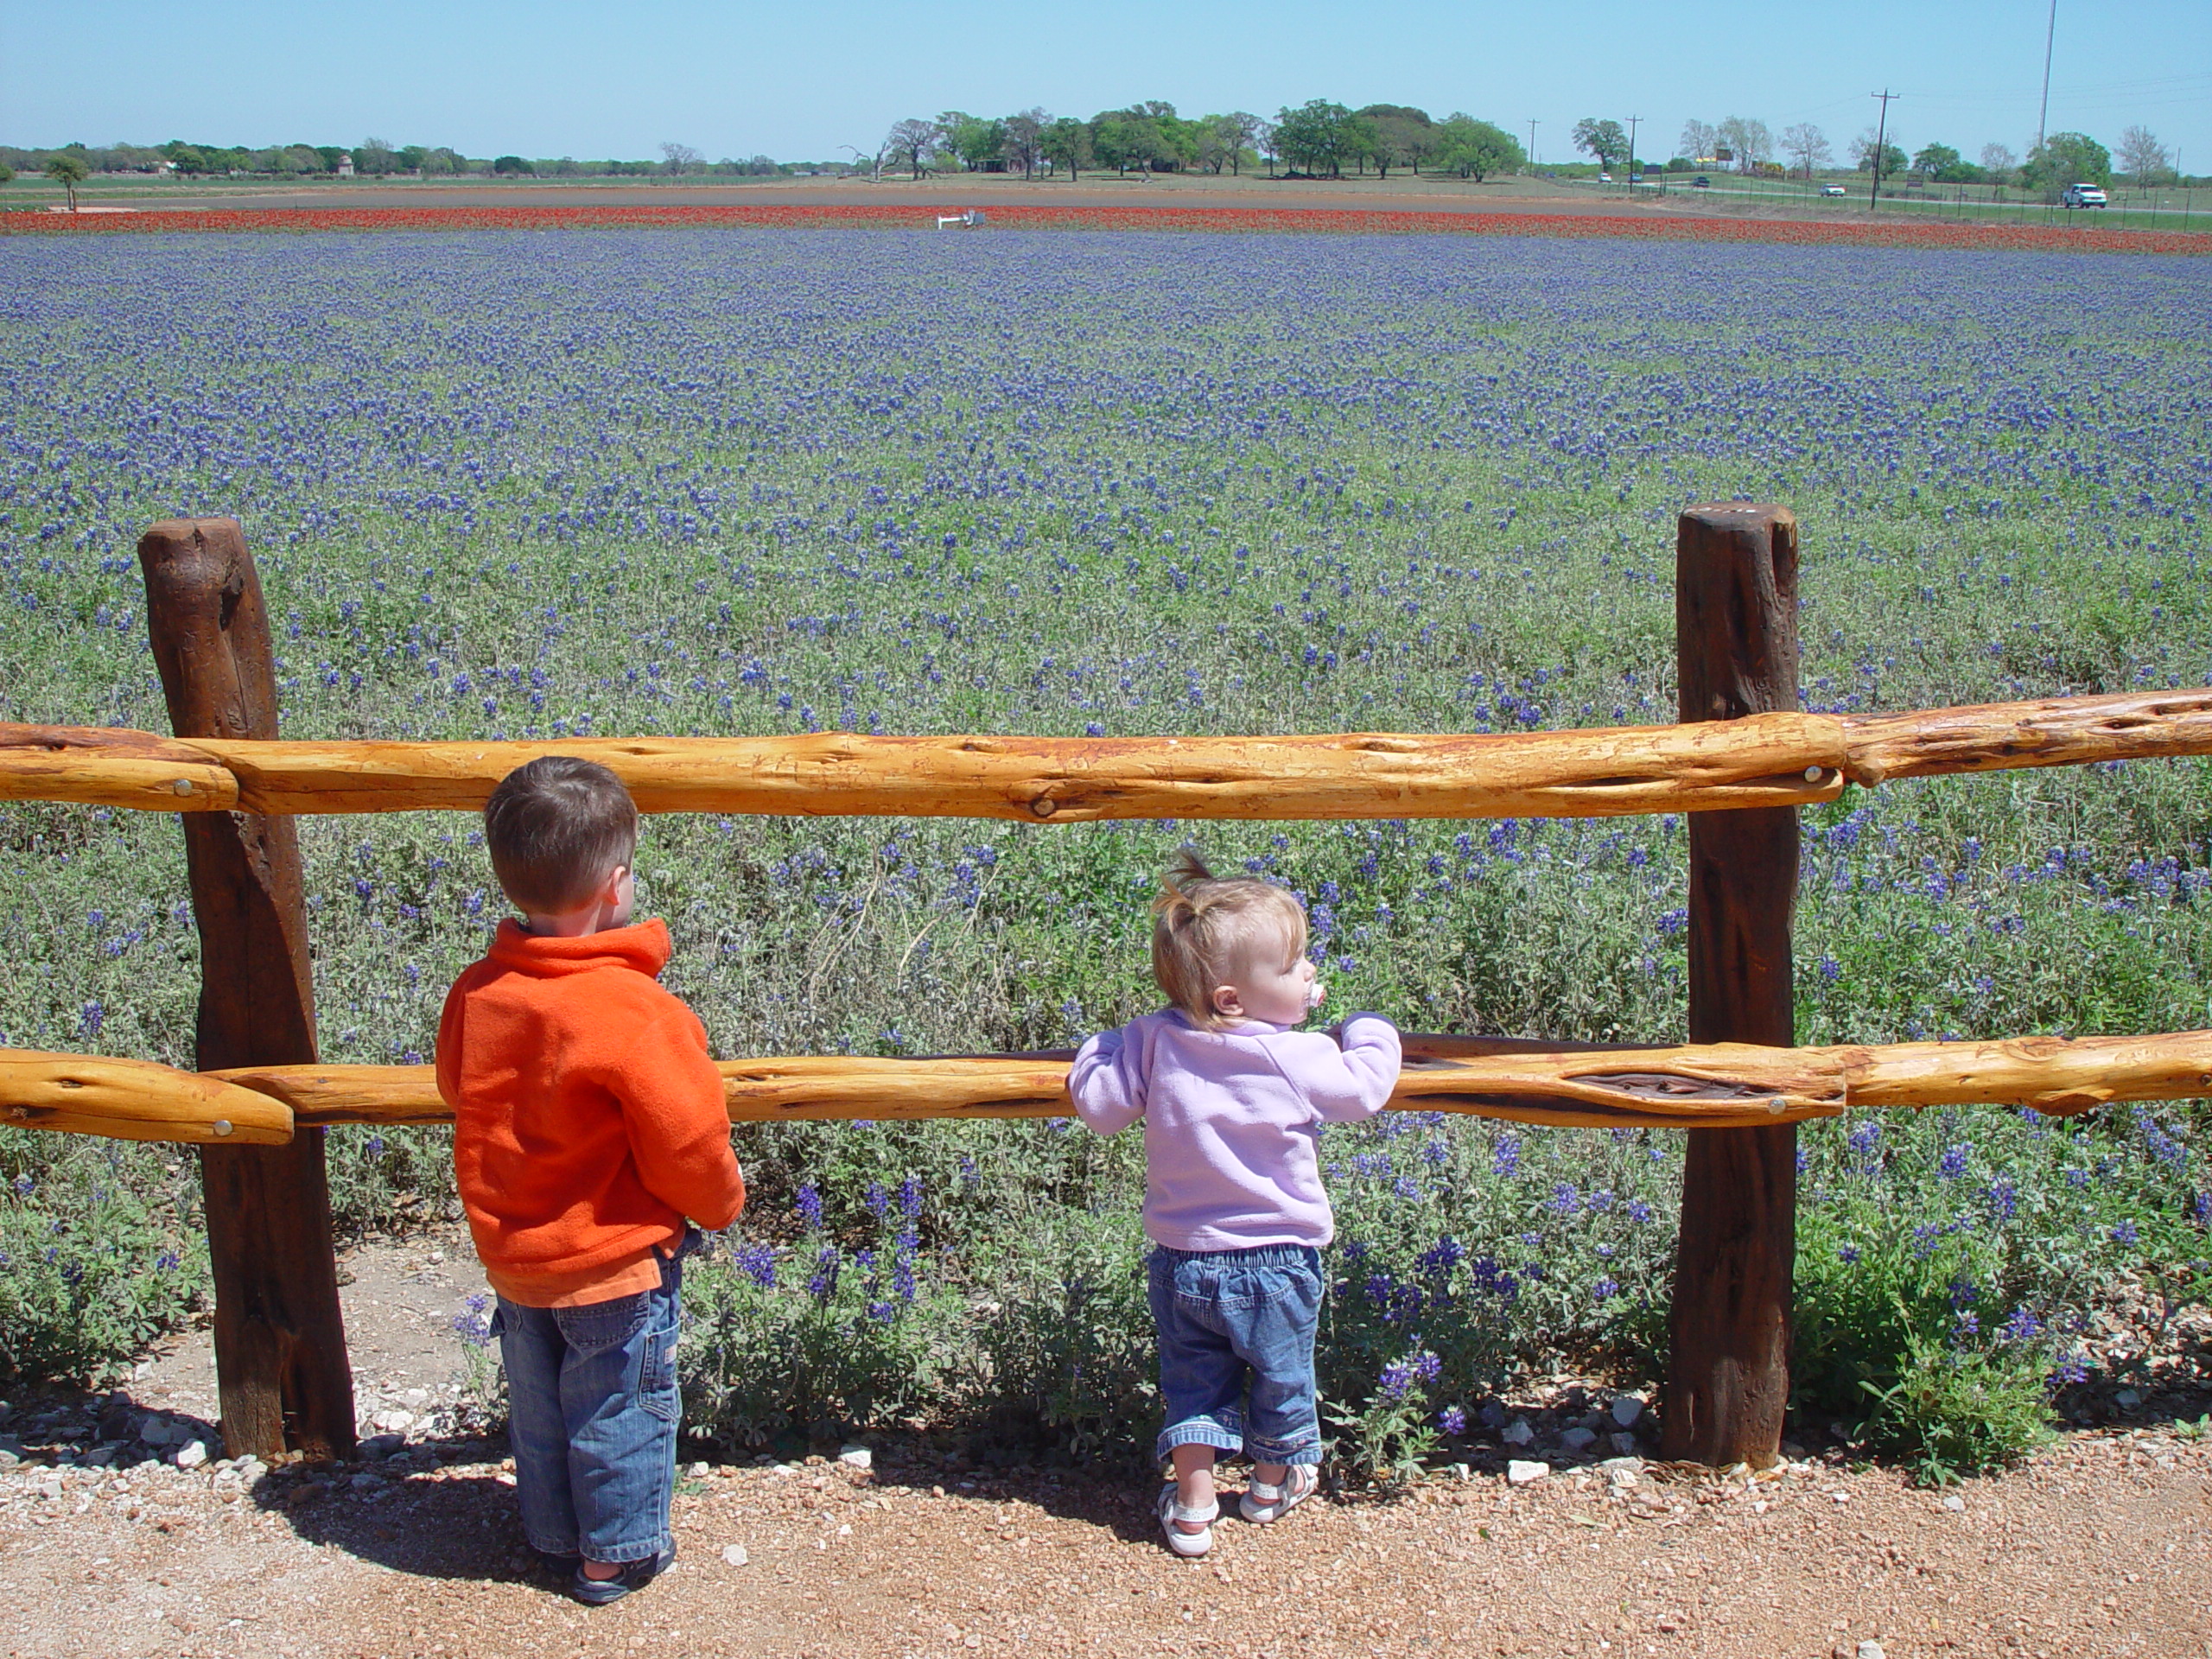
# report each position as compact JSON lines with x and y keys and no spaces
{"x":592,"y":1409}
{"x":1236,"y":1349}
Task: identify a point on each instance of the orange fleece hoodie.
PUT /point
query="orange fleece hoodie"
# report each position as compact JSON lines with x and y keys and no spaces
{"x":588,"y":1116}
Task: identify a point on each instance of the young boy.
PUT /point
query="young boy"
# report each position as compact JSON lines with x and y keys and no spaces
{"x":588,"y":1123}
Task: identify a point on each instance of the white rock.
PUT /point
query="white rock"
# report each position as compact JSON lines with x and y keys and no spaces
{"x":1519,"y":1472}
{"x":1622,"y":1472}
{"x":1871,"y":1651}
{"x":191,"y":1454}
{"x":394,"y":1422}
{"x":699,"y":1472}
{"x":1517,"y":1432}
{"x":1628,"y":1410}
{"x":735,"y":1556}
{"x":1954,"y":1504}
{"x":857,"y":1456}
{"x":161,"y":1431}
{"x":1575,"y":1439}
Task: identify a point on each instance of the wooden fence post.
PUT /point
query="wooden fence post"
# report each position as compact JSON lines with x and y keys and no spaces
{"x":1736,"y":643}
{"x":281,"y":1365}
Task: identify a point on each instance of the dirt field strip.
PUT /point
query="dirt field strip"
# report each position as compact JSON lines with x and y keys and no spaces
{"x":2096,"y":1549}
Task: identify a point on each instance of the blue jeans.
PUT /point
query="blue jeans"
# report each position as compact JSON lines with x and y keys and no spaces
{"x":592,"y":1410}
{"x":1236,"y":1349}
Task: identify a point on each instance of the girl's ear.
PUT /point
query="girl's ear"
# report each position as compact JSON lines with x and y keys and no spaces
{"x":1226,"y":1001}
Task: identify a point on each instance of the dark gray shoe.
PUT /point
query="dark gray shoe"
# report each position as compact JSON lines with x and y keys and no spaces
{"x":636,"y":1575}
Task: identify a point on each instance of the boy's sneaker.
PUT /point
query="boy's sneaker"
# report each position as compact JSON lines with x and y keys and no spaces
{"x":1263,"y":1504}
{"x":635,"y":1575}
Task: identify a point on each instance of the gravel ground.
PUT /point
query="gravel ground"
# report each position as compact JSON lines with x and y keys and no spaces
{"x":2097,"y":1548}
{"x":123,"y":1532}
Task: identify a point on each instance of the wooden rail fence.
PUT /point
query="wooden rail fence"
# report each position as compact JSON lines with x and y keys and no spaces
{"x":1743,"y":759}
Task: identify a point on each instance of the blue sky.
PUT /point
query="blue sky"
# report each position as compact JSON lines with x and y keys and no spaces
{"x":618,"y":76}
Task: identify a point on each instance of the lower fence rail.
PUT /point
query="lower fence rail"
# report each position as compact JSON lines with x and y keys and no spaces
{"x":1716,"y":1085}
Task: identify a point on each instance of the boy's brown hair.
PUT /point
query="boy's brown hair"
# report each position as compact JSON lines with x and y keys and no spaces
{"x":1203,"y":924}
{"x":554,"y":828}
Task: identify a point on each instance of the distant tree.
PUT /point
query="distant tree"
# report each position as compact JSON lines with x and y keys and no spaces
{"x":7,"y":174}
{"x":1404,"y":136}
{"x":974,"y":143}
{"x":1938,"y":162}
{"x":1475,"y":149}
{"x":681,"y":158}
{"x":1997,"y":161}
{"x":1318,"y":135}
{"x":1748,"y":140}
{"x":911,"y":141}
{"x":411,"y":157}
{"x":1806,"y":145}
{"x":441,"y":161}
{"x":1025,"y":133}
{"x":375,"y":157}
{"x":1601,"y":141}
{"x":1066,"y":142}
{"x":2066,"y":158}
{"x":511,"y":167}
{"x":1263,"y":140}
{"x":1893,"y":159}
{"x":68,"y":171}
{"x":2144,"y":160}
{"x":1227,"y":138}
{"x":1698,"y":140}
{"x":191,"y":159}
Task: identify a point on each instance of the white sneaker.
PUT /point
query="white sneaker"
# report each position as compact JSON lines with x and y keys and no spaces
{"x":1265,"y":1504}
{"x":1189,"y":1545}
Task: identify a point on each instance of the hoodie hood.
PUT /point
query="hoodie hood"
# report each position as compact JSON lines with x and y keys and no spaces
{"x":643,"y":946}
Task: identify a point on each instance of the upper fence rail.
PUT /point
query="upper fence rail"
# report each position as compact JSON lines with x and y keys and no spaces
{"x":1761,"y":760}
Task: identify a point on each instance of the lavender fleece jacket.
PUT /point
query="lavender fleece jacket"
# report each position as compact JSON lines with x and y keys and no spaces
{"x":1232,"y":1120}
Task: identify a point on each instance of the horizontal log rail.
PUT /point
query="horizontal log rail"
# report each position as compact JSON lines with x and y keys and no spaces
{"x":1773,"y":759}
{"x":1718,"y":1085}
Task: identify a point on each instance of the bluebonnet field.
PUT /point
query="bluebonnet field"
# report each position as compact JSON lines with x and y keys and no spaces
{"x":538,"y":484}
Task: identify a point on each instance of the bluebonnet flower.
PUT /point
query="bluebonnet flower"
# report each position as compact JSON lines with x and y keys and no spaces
{"x":757,"y":1262}
{"x":828,"y":1262}
{"x":910,"y":1197}
{"x":2127,"y":1232}
{"x":1953,"y":1162}
{"x":809,"y":1204}
{"x":877,"y":1200}
{"x":1846,"y":1254}
{"x":1605,"y":1290}
{"x":2020,"y":1325}
{"x":1452,"y":1420}
{"x":472,"y":1325}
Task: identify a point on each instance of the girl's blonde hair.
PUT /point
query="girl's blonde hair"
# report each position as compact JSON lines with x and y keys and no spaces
{"x":1203,"y":925}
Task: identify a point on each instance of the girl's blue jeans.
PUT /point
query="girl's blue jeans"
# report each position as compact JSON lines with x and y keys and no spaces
{"x":592,"y":1411}
{"x":1236,"y":1349}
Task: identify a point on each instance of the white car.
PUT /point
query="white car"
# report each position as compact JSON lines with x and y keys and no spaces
{"x":1605,"y":178}
{"x":1832,"y":190}
{"x":2082,"y":195}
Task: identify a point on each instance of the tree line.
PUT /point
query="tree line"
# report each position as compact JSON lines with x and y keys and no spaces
{"x":1317,"y":139}
{"x":370,"y":158}
{"x":1750,"y":147}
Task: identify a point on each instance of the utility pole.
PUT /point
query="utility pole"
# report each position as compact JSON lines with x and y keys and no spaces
{"x":1632,"y":121}
{"x":1881,"y":137}
{"x":2049,"y":34}
{"x":1532,"y":142}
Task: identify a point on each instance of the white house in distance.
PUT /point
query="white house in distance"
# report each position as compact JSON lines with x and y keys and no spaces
{"x":345,"y":165}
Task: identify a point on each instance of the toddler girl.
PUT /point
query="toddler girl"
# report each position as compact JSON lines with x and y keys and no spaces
{"x":1233,"y":1096}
